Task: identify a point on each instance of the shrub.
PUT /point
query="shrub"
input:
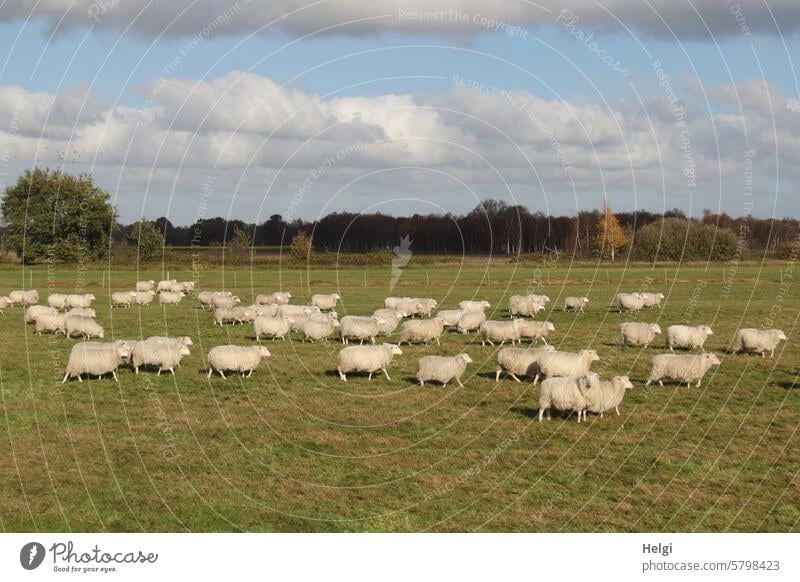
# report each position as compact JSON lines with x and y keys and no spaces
{"x":301,"y":248}
{"x":682,"y":239}
{"x":146,"y":238}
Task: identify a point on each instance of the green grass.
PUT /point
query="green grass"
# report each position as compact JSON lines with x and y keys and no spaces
{"x":294,"y":449}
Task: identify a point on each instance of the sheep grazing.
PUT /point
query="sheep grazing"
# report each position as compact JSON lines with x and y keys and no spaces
{"x":470,"y":321}
{"x":285,"y":310}
{"x":186,"y":287}
{"x":500,"y":331}
{"x":271,"y":327}
{"x":681,"y":367}
{"x":568,"y":394}
{"x":526,"y":305}
{"x":442,"y":369}
{"x":218,"y":300}
{"x":450,"y":317}
{"x":96,"y":359}
{"x":652,"y":299}
{"x":633,"y":333}
{"x":297,"y":322}
{"x":517,"y":362}
{"x":408,"y":307}
{"x":392,"y":302}
{"x":628,"y":301}
{"x":604,"y":395}
{"x":234,"y":315}
{"x":173,"y":341}
{"x":144,"y":297}
{"x":83,"y":326}
{"x":27,"y":298}
{"x":424,"y":306}
{"x":535,"y":330}
{"x":391,"y":317}
{"x":80,"y":300}
{"x":164,"y":355}
{"x":146,"y":285}
{"x":474,"y":305}
{"x":576,"y":303}
{"x":84,"y":311}
{"x":319,"y":330}
{"x":35,"y":311}
{"x":686,"y":336}
{"x":368,"y":359}
{"x":165,"y":285}
{"x":559,"y":364}
{"x":278,"y":298}
{"x":354,"y":327}
{"x":170,"y":298}
{"x":325,"y":302}
{"x":5,"y":303}
{"x":51,"y":322}
{"x":122,"y":298}
{"x":242,"y":359}
{"x":204,"y":298}
{"x":421,"y":331}
{"x":758,"y":341}
{"x":57,"y":300}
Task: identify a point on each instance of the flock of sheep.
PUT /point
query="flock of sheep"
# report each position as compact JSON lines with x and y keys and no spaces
{"x":568,"y":385}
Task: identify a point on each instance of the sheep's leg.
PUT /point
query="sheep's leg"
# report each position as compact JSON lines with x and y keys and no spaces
{"x":617,"y":409}
{"x":459,"y":382}
{"x":698,"y":384}
{"x":221,"y":373}
{"x":79,"y":378}
{"x":541,"y":414}
{"x":437,"y":342}
{"x":65,"y":377}
{"x":113,"y":373}
{"x":342,"y":377}
{"x":387,"y":374}
{"x":422,"y":382}
{"x":536,"y":379}
{"x":648,"y":382}
{"x":544,"y":339}
{"x":172,"y":370}
{"x":497,"y":374}
{"x":661,"y":383}
{"x":513,"y":375}
{"x":369,"y":377}
{"x":210,"y":371}
{"x":250,"y":373}
{"x":373,"y":340}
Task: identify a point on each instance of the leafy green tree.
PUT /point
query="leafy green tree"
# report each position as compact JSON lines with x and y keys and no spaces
{"x":51,"y":215}
{"x":684,"y":239}
{"x":147,"y":239}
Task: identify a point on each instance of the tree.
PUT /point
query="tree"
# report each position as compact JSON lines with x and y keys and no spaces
{"x":611,"y":237}
{"x":301,"y":247}
{"x":53,"y":216}
{"x":241,"y":239}
{"x":147,"y":238}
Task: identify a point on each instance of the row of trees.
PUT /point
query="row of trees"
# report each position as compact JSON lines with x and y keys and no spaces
{"x":54,"y":216}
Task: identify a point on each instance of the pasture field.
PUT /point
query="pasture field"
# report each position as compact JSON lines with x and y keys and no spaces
{"x":294,"y":449}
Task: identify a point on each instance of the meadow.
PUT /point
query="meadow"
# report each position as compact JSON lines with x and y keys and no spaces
{"x":294,"y":449}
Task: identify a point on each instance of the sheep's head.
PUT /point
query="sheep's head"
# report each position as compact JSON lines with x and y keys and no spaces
{"x":465,"y":358}
{"x":712,"y":359}
{"x":439,"y":320}
{"x":263,"y":352}
{"x":779,"y":335}
{"x":706,"y":330}
{"x":394,"y":349}
{"x":624,"y":381}
{"x":124,"y":350}
{"x":337,"y":296}
{"x":288,"y":295}
{"x":332,"y":315}
{"x":550,"y":326}
{"x":236,"y":300}
{"x":660,"y":295}
{"x":655,"y":328}
{"x":101,"y":334}
{"x":90,"y":297}
{"x":184,"y":351}
{"x":187,"y":341}
{"x":486,"y":304}
{"x":335,"y":323}
{"x":590,"y":354}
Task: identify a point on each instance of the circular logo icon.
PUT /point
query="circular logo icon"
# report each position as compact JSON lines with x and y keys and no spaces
{"x":31,"y":555}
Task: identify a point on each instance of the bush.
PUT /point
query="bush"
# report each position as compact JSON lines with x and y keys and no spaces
{"x":146,"y":238}
{"x":682,"y":239}
{"x":301,"y":248}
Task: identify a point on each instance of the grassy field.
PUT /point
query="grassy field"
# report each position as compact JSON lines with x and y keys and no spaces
{"x":294,"y":449}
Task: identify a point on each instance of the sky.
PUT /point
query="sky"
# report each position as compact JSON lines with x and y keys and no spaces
{"x":246,"y":109}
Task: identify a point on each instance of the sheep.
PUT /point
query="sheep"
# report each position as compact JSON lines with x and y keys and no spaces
{"x":474,"y":305}
{"x":27,"y":298}
{"x":526,"y":305}
{"x":35,"y":311}
{"x":164,"y":355}
{"x":360,"y":328}
{"x":204,"y":297}
{"x":53,"y":322}
{"x":450,"y":317}
{"x":170,"y":298}
{"x":652,"y":299}
{"x":315,"y":330}
{"x":57,"y":300}
{"x":392,"y":302}
{"x":174,"y":341}
{"x":285,"y":310}
{"x":517,"y":362}
{"x":165,"y":285}
{"x":236,"y":359}
{"x":278,"y":298}
{"x":297,"y":322}
{"x":96,"y":359}
{"x":80,"y":300}
{"x":268,"y":310}
{"x":628,"y":301}
{"x":233,"y":315}
{"x":685,"y":336}
{"x":408,"y":307}
{"x":82,"y":325}
{"x":369,"y":359}
{"x":681,"y":367}
{"x":442,"y":369}
{"x":535,"y":330}
{"x":577,"y":303}
{"x":634,"y":333}
{"x":391,"y":318}
{"x":500,"y":331}
{"x":470,"y":321}
{"x":554,"y":364}
{"x":604,"y":395}
{"x":186,"y":287}
{"x":144,"y":297}
{"x":146,"y":285}
{"x":122,"y":298}
{"x":424,"y":306}
{"x":568,"y":393}
{"x":327,"y":316}
{"x":325,"y":302}
{"x":271,"y":327}
{"x":421,"y":331}
{"x":5,"y":303}
{"x":84,"y":311}
{"x":219,"y":300}
{"x":758,"y":341}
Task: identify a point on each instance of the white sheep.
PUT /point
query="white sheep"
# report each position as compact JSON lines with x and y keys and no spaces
{"x":470,"y":321}
{"x":450,"y":317}
{"x":218,"y":300}
{"x":27,"y":298}
{"x":577,"y":303}
{"x":686,"y":336}
{"x":122,"y":298}
{"x":286,"y":310}
{"x":391,"y":317}
{"x":353,"y":327}
{"x":567,"y":393}
{"x":165,"y":285}
{"x":535,"y":330}
{"x":234,"y":315}
{"x":52,"y":322}
{"x":5,"y":303}
{"x":391,"y":302}
{"x":424,"y":306}
{"x":758,"y":341}
{"x":474,"y":305}
{"x":652,"y":299}
{"x":368,"y":359}
{"x":204,"y":297}
{"x":556,"y":364}
{"x":236,"y":359}
{"x":164,"y":355}
{"x":635,"y":333}
{"x":146,"y":285}
{"x":186,"y":287}
{"x":500,"y":331}
{"x":421,"y":331}
{"x":34,"y":311}
{"x":517,"y":362}
{"x":96,"y":359}
{"x":80,"y":300}
{"x":271,"y":327}
{"x":526,"y":305}
{"x":325,"y":302}
{"x":267,"y":310}
{"x":82,"y":325}
{"x":442,"y":369}
{"x":144,"y":297}
{"x":682,"y":367}
{"x":57,"y":300}
{"x":170,"y":298}
{"x":408,"y":307}
{"x":278,"y":298}
{"x":319,"y":330}
{"x":173,"y":341}
{"x":604,"y":395}
{"x":84,"y":311}
{"x":629,"y":301}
